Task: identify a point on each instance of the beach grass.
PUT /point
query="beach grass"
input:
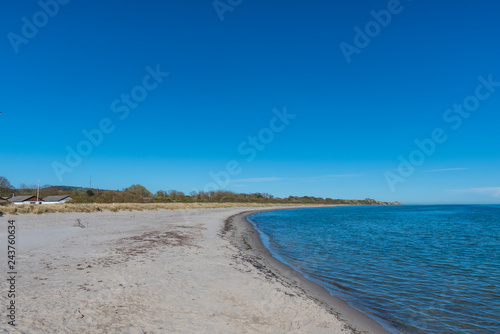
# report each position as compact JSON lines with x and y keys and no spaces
{"x":97,"y":207}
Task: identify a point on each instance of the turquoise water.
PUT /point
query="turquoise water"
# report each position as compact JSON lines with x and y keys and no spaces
{"x":415,"y":269}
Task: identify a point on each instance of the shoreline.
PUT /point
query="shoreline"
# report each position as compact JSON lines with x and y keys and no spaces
{"x":166,"y":271}
{"x":242,"y":234}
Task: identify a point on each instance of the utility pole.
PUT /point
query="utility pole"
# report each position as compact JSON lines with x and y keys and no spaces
{"x":38,"y":191}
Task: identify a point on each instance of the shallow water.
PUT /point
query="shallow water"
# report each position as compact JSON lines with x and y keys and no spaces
{"x":422,"y":269}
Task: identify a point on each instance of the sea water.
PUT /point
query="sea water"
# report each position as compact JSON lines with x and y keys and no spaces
{"x":415,"y":269}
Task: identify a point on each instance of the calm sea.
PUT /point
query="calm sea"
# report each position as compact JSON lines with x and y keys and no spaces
{"x":419,"y":269}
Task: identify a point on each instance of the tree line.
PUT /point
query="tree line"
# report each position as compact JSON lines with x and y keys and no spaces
{"x":137,"y":193}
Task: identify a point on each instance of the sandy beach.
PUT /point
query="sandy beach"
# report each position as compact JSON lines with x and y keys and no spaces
{"x":166,"y":271}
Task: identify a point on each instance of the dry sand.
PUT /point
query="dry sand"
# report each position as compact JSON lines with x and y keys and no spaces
{"x":182,"y":271}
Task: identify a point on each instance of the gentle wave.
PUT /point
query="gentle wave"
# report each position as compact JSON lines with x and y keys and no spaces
{"x":424,"y":269}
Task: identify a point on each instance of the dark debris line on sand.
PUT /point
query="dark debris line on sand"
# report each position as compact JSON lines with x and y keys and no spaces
{"x":229,"y":231}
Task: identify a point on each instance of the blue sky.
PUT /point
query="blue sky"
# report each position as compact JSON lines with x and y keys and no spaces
{"x":173,"y":96}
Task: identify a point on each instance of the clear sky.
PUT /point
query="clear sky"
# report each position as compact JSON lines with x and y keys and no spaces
{"x":322,"y":98}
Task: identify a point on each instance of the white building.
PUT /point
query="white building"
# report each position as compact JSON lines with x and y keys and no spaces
{"x":25,"y":200}
{"x":56,"y":199}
